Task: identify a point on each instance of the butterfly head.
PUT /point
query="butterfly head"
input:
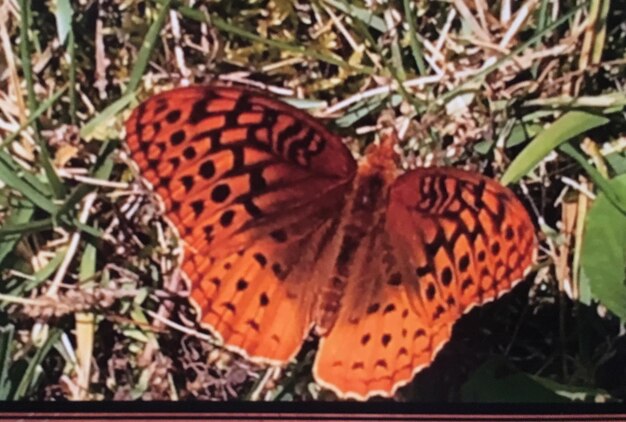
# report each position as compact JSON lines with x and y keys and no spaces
{"x":382,"y":158}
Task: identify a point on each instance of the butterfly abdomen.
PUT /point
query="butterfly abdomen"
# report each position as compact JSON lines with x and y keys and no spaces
{"x":363,"y":214}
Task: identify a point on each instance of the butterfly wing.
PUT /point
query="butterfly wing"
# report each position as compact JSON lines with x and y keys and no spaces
{"x":450,"y":240}
{"x":255,"y":188}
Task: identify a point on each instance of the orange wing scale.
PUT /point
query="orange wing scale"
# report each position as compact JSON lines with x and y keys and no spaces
{"x":284,"y":232}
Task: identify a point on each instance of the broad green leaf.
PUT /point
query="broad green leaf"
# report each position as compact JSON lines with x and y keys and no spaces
{"x":617,"y":161}
{"x":521,"y":132}
{"x":616,"y":197}
{"x":573,"y":392}
{"x":498,"y":382}
{"x":562,"y":130}
{"x":603,"y":257}
{"x":584,"y":289}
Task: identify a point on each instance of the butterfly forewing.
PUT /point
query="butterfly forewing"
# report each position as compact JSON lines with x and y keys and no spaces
{"x":249,"y":183}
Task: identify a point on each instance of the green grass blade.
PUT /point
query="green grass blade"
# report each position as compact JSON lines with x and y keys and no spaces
{"x":10,"y":177}
{"x":397,"y":68}
{"x":88,"y":263}
{"x":393,"y":66}
{"x":47,"y":224}
{"x":6,"y":343}
{"x":85,"y":228}
{"x":63,"y":17}
{"x":542,"y":19}
{"x":30,"y":375}
{"x":42,"y":275}
{"x":44,"y":157}
{"x":15,"y":230}
{"x":112,"y":110}
{"x":416,"y":48}
{"x":364,"y":15}
{"x":562,"y":130}
{"x":143,"y":59}
{"x":613,"y":195}
{"x":71,"y":50}
{"x":20,"y":214}
{"x":605,"y":103}
{"x":360,"y":110}
{"x":43,"y":107}
{"x":25,"y":9}
{"x":102,"y":170}
{"x":149,"y":42}
{"x":600,"y":29}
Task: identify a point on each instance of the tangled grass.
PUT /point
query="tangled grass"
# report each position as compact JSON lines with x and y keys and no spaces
{"x":531,"y":93}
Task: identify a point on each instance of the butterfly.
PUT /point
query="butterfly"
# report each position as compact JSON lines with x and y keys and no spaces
{"x":286,"y":235}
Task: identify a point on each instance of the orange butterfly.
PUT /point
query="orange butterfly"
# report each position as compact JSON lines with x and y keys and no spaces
{"x":284,"y":232}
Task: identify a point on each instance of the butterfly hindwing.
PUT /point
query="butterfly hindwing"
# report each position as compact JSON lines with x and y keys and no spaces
{"x":449,"y":240}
